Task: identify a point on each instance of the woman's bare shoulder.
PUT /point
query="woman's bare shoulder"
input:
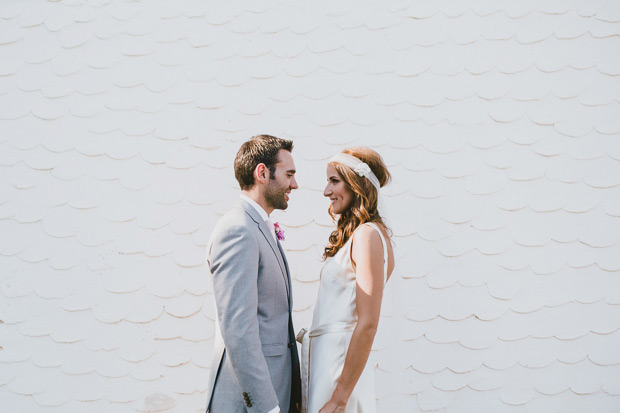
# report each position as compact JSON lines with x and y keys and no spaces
{"x":367,"y":235}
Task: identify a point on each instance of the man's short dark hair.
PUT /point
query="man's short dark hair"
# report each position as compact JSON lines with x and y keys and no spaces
{"x":259,"y":149}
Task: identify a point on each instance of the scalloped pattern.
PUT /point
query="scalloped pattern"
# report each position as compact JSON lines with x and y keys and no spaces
{"x":499,"y":122}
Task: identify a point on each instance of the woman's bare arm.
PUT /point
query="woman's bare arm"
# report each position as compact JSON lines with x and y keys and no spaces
{"x":367,"y":256}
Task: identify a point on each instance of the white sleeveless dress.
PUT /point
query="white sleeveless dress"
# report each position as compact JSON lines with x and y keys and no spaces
{"x":324,"y":348}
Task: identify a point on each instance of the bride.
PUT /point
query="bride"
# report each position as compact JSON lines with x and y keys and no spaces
{"x":337,"y":376}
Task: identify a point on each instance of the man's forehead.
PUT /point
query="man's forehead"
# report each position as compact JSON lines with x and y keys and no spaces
{"x":285,"y":159}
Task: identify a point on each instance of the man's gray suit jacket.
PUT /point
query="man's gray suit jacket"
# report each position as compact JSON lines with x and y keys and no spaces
{"x":251,"y":368}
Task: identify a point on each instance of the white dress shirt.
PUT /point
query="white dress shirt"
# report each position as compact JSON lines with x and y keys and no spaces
{"x":265,"y":216}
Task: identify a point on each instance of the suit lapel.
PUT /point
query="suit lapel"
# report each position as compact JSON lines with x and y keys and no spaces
{"x":288,"y":275}
{"x":275,"y":247}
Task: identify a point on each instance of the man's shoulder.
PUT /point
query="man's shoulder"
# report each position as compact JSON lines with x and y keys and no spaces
{"x":236,"y":218}
{"x":236,"y":215}
{"x":235,"y":224}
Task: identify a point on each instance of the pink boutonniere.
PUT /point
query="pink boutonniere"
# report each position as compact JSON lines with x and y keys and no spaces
{"x":279,"y":231}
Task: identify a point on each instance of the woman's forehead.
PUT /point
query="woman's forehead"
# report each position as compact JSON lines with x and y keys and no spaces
{"x":331,"y":170}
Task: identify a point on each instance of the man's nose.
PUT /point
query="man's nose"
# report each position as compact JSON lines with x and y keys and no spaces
{"x":294,"y":183}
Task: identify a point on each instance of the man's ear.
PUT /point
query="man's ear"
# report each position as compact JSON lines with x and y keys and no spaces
{"x":261,"y":173}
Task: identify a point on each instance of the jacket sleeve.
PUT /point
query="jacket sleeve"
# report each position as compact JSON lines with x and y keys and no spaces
{"x":233,"y":261}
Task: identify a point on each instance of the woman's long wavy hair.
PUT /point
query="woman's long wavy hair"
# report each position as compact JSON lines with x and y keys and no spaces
{"x":366,"y":197}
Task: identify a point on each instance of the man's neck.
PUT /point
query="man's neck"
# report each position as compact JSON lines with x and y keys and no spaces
{"x":257,"y":197}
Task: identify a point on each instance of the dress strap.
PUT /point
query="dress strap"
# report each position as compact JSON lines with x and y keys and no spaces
{"x":385,"y":252}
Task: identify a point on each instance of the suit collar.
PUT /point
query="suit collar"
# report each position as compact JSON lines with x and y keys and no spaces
{"x":250,"y":210}
{"x":261,"y":212}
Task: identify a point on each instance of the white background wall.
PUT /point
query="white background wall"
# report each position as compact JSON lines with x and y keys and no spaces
{"x":500,"y":122}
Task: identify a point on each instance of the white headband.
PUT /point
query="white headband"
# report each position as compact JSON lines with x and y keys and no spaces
{"x":359,"y":167}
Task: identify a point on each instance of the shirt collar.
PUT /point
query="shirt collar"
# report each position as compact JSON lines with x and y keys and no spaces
{"x":257,"y":207}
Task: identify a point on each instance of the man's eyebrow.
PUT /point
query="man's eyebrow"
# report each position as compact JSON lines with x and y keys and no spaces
{"x":291,"y":171}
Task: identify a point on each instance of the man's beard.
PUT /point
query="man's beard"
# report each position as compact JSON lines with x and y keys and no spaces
{"x":275,"y":196}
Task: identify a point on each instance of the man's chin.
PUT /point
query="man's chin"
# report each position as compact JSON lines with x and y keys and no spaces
{"x":280,"y":205}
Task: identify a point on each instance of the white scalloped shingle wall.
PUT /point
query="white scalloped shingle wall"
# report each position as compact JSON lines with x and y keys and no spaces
{"x":500,"y":122}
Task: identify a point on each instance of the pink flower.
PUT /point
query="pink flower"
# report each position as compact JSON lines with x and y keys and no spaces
{"x":279,"y":231}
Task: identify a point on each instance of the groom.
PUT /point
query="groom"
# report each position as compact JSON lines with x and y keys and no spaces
{"x":255,"y":366}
